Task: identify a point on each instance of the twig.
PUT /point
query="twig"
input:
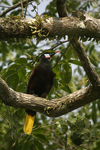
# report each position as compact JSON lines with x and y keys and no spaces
{"x":26,"y":8}
{"x":29,"y":14}
{"x":22,"y":8}
{"x":57,"y":143}
{"x":61,"y":55}
{"x":13,"y":7}
{"x":60,"y":42}
{"x":9,"y":123}
{"x":47,"y":50}
{"x":4,"y":117}
{"x":4,"y":6}
{"x":17,"y":140}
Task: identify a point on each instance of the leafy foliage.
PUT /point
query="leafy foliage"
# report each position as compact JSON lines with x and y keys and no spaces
{"x":79,"y":129}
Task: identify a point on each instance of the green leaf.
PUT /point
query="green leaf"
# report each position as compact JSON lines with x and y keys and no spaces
{"x":38,"y":131}
{"x":68,"y":54}
{"x":55,"y":84}
{"x":56,"y":71}
{"x":94,"y":59}
{"x":15,"y":80}
{"x":8,"y":73}
{"x":86,"y":134}
{"x":71,"y":120}
{"x":21,"y":61}
{"x":23,"y":139}
{"x":41,"y":137}
{"x":28,"y":55}
{"x":21,"y":87}
{"x":22,"y":73}
{"x":16,"y":12}
{"x":14,"y":67}
{"x":59,"y":127}
{"x":87,"y":123}
{"x":76,"y":62}
{"x":15,"y":1}
{"x":70,"y":87}
{"x":12,"y":80}
{"x":29,"y":66}
{"x":38,"y":144}
{"x":98,"y":104}
{"x":26,"y":145}
{"x":66,"y":73}
{"x":94,"y":113}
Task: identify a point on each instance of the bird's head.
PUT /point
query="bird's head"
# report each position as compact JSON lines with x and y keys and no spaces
{"x":47,"y":56}
{"x":50,"y":54}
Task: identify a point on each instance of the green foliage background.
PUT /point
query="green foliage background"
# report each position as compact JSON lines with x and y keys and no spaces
{"x":79,"y":129}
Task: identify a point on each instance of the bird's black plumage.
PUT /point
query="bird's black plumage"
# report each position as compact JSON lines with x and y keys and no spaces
{"x":40,"y":83}
{"x":41,"y":80}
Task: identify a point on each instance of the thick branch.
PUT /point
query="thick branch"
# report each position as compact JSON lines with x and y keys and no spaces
{"x":90,"y":71}
{"x":61,"y":8}
{"x":52,"y":108}
{"x":80,"y":24}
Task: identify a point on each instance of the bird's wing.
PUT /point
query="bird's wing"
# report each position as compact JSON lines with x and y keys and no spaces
{"x":33,"y":74}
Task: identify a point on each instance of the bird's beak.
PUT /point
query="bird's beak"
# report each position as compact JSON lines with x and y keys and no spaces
{"x":57,"y":51}
{"x":53,"y":53}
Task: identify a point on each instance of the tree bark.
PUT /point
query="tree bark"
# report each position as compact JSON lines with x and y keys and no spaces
{"x":51,"y":108}
{"x":79,"y":24}
{"x":90,"y":71}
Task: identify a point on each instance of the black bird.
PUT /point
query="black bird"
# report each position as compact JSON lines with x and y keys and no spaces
{"x":40,"y":83}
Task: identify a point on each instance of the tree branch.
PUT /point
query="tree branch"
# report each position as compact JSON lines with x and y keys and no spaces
{"x":61,"y":8}
{"x":61,"y":55}
{"x":13,"y":7}
{"x":52,"y":108}
{"x":90,"y":71}
{"x":81,"y":24}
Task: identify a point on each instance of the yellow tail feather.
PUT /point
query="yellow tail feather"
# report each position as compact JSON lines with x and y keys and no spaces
{"x":29,"y":121}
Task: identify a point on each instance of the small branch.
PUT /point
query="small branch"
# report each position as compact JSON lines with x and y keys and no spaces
{"x":47,"y":50}
{"x":17,"y":141}
{"x":4,"y":118}
{"x":9,"y":124}
{"x":13,"y":7}
{"x":62,"y":55}
{"x":60,"y":42}
{"x":4,"y":6}
{"x":22,"y":8}
{"x":26,"y":8}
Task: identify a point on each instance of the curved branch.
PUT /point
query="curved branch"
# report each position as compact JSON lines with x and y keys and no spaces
{"x":90,"y":71}
{"x":52,"y":108}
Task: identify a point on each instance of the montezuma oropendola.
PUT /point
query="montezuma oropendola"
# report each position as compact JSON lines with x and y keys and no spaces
{"x":40,"y":83}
